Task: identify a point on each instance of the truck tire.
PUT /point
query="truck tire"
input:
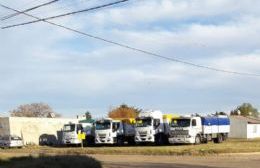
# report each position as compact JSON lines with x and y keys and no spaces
{"x":197,"y":140}
{"x":219,"y":139}
{"x":225,"y":137}
{"x":159,"y":139}
{"x":205,"y":140}
{"x":120,"y":141}
{"x":131,"y":141}
{"x":166,"y":140}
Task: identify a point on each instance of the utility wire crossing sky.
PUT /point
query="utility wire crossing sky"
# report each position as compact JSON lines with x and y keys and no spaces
{"x":117,"y":43}
{"x":176,"y":56}
{"x":27,"y":10}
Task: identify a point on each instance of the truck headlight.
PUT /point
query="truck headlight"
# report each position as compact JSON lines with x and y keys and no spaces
{"x":188,"y":136}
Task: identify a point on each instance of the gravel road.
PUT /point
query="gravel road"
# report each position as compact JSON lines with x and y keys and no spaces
{"x":219,"y":161}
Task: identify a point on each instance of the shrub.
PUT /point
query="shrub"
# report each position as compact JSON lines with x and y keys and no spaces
{"x":68,"y":161}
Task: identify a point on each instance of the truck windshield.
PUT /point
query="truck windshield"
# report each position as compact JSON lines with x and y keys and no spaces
{"x":180,"y":123}
{"x":69,"y":128}
{"x":143,"y":122}
{"x":103,"y":125}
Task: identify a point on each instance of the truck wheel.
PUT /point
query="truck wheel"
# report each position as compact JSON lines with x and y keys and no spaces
{"x":225,"y":137}
{"x":205,"y":140}
{"x":197,"y":140}
{"x":166,"y":139}
{"x":120,"y":141}
{"x":159,"y":139}
{"x":219,"y":139}
{"x":131,"y":141}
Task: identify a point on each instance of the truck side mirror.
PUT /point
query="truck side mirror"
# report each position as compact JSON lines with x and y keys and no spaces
{"x":156,"y":123}
{"x":114,"y":127}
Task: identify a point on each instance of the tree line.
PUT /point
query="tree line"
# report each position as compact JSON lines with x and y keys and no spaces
{"x":43,"y":110}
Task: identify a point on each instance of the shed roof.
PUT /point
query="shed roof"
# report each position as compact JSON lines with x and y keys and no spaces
{"x":249,"y":120}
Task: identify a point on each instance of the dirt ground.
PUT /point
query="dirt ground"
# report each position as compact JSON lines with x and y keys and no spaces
{"x":218,"y":161}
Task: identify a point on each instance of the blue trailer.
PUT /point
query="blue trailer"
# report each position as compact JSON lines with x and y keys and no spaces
{"x":197,"y":129}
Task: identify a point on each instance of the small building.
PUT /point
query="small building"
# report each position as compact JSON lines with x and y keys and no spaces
{"x":244,"y":127}
{"x":38,"y":131}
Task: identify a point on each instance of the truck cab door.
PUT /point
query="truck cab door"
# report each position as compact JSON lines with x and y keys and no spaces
{"x":79,"y":129}
{"x":158,"y":126}
{"x":194,"y":126}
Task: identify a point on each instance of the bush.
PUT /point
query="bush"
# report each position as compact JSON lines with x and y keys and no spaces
{"x":74,"y":161}
{"x":124,"y":111}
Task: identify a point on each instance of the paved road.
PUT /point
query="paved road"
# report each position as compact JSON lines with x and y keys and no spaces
{"x":223,"y":161}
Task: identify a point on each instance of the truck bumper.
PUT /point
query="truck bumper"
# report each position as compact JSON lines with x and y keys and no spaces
{"x":143,"y":139}
{"x":108,"y":141}
{"x":71,"y":142}
{"x":182,"y":140}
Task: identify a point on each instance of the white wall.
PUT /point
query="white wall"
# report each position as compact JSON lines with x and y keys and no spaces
{"x":253,"y":130}
{"x":238,"y":128}
{"x":34,"y":129}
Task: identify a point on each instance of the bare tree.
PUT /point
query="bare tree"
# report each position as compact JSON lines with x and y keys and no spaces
{"x":41,"y":110}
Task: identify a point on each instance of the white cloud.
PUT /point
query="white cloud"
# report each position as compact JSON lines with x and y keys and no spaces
{"x":175,"y":10}
{"x":43,"y":63}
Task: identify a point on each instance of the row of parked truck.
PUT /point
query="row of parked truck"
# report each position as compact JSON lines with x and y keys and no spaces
{"x":149,"y":127}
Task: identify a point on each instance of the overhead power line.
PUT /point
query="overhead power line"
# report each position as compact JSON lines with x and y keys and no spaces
{"x":64,"y":6}
{"x":137,"y":49}
{"x":66,"y":14}
{"x":27,"y":10}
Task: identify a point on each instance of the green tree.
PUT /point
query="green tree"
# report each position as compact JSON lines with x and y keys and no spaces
{"x":220,"y":113}
{"x":88,"y":115}
{"x":246,"y":109}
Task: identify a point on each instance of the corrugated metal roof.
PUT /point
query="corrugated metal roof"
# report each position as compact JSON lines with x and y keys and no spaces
{"x":249,"y":120}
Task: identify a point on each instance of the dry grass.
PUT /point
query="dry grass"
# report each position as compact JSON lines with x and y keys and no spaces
{"x":230,"y":146}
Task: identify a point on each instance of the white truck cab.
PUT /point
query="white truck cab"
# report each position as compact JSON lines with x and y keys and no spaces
{"x":114,"y":131}
{"x":185,"y":129}
{"x":197,"y":129}
{"x":70,"y":134}
{"x":151,"y":127}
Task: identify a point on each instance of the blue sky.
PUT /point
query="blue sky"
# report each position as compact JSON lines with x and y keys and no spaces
{"x":72,"y":73}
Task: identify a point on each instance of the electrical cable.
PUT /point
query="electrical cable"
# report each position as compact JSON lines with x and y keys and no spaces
{"x":27,"y":10}
{"x":137,"y":49}
{"x":66,"y":14}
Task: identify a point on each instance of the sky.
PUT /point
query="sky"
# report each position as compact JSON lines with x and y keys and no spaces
{"x":74,"y":74}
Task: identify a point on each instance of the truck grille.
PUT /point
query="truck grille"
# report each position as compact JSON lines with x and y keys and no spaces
{"x":143,"y":133}
{"x":179,"y":132}
{"x":102,"y":135}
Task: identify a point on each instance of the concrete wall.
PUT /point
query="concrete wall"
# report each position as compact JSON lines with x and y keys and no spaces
{"x":38,"y":130}
{"x":4,"y":126}
{"x":238,"y":128}
{"x":253,"y":130}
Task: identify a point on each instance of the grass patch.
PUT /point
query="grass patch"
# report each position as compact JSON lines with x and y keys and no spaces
{"x":42,"y":161}
{"x":230,"y":146}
